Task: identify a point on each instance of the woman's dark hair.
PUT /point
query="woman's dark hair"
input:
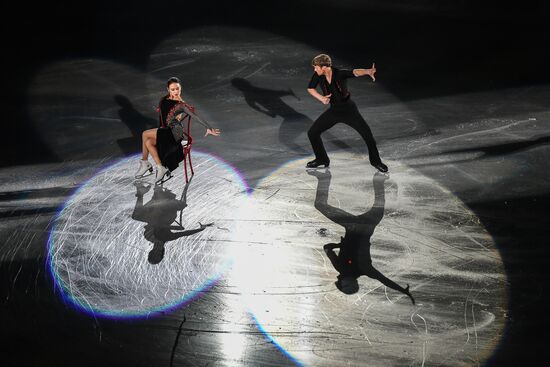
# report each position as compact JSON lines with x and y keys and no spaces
{"x":172,"y":80}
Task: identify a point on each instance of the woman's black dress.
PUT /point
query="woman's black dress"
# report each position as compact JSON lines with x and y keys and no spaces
{"x":170,"y":151}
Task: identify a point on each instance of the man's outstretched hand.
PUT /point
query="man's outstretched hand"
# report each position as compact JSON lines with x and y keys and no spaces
{"x":371,"y":72}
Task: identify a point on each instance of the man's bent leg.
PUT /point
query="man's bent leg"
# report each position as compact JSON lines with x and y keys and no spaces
{"x":357,"y":121}
{"x":323,"y":123}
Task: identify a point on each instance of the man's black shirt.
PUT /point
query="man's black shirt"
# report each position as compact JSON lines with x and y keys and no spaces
{"x":338,"y":86}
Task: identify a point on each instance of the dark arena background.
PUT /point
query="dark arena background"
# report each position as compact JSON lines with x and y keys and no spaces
{"x":235,"y":267}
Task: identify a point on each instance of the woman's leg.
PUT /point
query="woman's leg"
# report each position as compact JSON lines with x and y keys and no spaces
{"x":149,"y":138}
{"x":144,"y":149}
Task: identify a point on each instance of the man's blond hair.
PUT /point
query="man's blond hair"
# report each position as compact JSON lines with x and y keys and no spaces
{"x":321,"y":60}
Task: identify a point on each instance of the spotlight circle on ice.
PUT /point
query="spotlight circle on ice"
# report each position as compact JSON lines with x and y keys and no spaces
{"x":407,"y":227}
{"x":122,"y":247}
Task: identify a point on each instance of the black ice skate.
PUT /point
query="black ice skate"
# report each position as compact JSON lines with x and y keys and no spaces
{"x":381,"y":167}
{"x":316,"y":163}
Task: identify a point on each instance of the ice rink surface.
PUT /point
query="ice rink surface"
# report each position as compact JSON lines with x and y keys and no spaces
{"x":234,"y":268}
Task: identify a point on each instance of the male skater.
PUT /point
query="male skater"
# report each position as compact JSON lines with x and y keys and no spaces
{"x":342,"y":109}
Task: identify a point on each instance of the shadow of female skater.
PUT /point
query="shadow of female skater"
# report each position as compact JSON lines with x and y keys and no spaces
{"x":269,"y":102}
{"x":160,"y":213}
{"x":354,"y":258}
{"x":136,"y":123}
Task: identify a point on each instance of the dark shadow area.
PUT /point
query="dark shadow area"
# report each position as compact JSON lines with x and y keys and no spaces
{"x":160,"y":212}
{"x":39,"y":328}
{"x":354,"y":258}
{"x":17,"y":213}
{"x":422,"y":49}
{"x":459,"y":48}
{"x":503,"y":149}
{"x":176,"y":341}
{"x":508,"y":148}
{"x":50,"y":192}
{"x":520,"y":230}
{"x":294,"y":124}
{"x":489,"y":150}
{"x":8,"y":199}
{"x":136,"y":122}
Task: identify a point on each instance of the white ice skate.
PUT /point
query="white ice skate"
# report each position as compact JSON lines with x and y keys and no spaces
{"x":163,"y":175}
{"x":144,"y":166}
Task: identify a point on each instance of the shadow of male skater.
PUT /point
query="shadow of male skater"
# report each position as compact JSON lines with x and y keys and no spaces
{"x":160,"y":213}
{"x":354,"y":258}
{"x":135,"y":121}
{"x":269,"y":102}
{"x":498,"y":150}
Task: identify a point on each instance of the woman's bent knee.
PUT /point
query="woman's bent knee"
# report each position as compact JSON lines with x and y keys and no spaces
{"x":150,"y":134}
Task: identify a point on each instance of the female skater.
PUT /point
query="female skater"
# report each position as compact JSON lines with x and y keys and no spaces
{"x":164,"y":143}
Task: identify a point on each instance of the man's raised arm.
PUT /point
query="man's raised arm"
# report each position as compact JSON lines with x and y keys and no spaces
{"x":362,"y":72}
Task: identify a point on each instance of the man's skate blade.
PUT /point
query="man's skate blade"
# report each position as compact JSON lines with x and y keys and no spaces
{"x":317,"y":168}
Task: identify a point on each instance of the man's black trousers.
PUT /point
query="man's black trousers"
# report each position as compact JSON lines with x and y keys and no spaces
{"x":348,"y":114}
